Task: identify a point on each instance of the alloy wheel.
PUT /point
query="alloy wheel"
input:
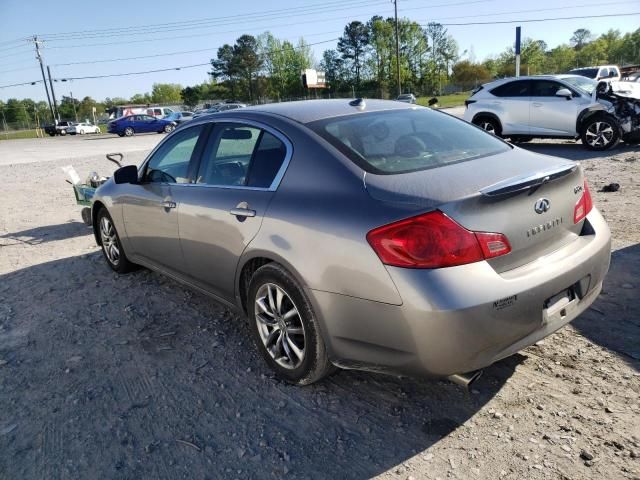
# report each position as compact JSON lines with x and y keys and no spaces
{"x":600,"y":134}
{"x":488,"y":126}
{"x":109,"y":241}
{"x":280,"y":326}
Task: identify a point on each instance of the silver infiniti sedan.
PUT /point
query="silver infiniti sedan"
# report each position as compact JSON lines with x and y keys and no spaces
{"x":373,"y":235}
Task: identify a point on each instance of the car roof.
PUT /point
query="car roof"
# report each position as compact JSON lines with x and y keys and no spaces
{"x":305,"y":111}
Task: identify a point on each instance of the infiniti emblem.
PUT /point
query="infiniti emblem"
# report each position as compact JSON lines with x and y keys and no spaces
{"x":542,"y":205}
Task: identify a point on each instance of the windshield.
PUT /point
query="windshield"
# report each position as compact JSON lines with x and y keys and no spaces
{"x":406,"y":140}
{"x":582,"y":83}
{"x":585,"y":72}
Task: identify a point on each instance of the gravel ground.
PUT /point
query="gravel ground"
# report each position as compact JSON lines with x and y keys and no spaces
{"x":107,"y":376}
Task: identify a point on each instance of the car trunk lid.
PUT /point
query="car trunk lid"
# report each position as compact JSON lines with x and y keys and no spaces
{"x":530,"y":198}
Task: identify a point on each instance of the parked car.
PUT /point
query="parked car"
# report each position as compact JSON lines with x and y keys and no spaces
{"x":379,"y":236}
{"x":602,"y":72}
{"x":82,"y":128}
{"x":59,"y":128}
{"x":407,"y":98}
{"x":128,"y":126}
{"x":179,"y":117}
{"x":220,"y":107}
{"x":547,"y":106}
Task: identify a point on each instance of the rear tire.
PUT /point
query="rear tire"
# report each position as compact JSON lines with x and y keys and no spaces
{"x":284,"y":327}
{"x":521,"y":139}
{"x":128,"y":132}
{"x":600,"y":132}
{"x":111,"y":246}
{"x":489,"y":125}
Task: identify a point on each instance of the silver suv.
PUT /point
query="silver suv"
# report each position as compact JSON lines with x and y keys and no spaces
{"x":549,"y":106}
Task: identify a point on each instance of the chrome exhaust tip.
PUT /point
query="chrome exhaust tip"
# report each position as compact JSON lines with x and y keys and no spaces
{"x":465,"y":379}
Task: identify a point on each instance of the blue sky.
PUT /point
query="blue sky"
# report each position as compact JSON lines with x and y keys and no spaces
{"x":322,"y":20}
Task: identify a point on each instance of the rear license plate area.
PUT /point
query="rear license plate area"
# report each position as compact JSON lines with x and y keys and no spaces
{"x":557,"y":307}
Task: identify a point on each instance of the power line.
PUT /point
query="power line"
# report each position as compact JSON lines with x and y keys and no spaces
{"x":190,"y":66}
{"x":20,"y":84}
{"x":565,"y":7}
{"x":184,"y":67}
{"x":175,"y":37}
{"x":216,"y":22}
{"x":177,"y":53}
{"x":498,"y":22}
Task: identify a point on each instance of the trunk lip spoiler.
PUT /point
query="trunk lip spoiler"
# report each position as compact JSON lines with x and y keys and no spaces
{"x":525,"y":182}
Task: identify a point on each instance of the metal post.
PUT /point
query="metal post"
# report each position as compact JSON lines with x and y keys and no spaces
{"x":44,"y":79}
{"x":53,"y":94}
{"x":395,"y":6}
{"x":517,"y":51}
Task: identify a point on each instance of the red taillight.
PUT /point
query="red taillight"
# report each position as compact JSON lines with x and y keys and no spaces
{"x":584,"y":205}
{"x":433,"y":240}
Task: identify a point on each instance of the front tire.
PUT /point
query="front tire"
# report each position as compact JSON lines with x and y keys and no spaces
{"x":63,"y":132}
{"x":284,"y":327}
{"x":600,"y":132}
{"x":111,"y":245}
{"x":169,"y":128}
{"x":489,"y":125}
{"x":128,"y":132}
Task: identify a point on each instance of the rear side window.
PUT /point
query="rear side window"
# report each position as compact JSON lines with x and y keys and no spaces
{"x":406,"y":140}
{"x":239,"y":155}
{"x":519,"y":88}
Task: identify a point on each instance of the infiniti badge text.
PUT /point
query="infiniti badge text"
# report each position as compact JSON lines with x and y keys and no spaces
{"x":544,"y":227}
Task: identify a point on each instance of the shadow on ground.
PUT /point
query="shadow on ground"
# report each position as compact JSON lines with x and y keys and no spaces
{"x":614,"y":319}
{"x":575,"y":150}
{"x":48,"y":233}
{"x":134,"y":376}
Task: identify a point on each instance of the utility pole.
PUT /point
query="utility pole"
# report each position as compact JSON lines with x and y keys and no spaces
{"x":75,"y":112}
{"x":395,"y":6}
{"x":44,"y":79}
{"x":53,"y":94}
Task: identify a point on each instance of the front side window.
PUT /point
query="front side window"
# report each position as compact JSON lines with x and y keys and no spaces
{"x":239,"y":155}
{"x":406,"y":140}
{"x":518,"y":88}
{"x":545,"y":88}
{"x":170,"y":163}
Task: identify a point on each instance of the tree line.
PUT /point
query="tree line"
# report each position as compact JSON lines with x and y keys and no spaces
{"x":264,"y":68}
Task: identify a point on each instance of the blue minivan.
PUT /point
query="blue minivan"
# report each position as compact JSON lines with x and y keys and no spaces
{"x":132,"y":124}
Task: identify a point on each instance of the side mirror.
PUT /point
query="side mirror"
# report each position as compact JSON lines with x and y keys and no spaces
{"x":564,"y":92}
{"x":128,"y":174}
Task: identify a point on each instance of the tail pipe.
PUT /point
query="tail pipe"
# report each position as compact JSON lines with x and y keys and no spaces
{"x":465,"y":379}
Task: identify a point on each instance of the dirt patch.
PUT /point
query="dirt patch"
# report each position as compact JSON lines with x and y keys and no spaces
{"x":107,"y":376}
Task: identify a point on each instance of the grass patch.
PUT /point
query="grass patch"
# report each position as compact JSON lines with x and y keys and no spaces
{"x":445,"y":101}
{"x":14,"y":135}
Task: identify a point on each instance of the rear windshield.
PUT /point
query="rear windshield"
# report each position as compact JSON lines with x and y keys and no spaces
{"x":406,"y":140}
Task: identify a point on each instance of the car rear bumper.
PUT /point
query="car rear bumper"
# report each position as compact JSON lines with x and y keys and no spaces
{"x":459,"y":319}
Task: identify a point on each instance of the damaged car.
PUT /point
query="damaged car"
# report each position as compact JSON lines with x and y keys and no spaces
{"x":557,"y":106}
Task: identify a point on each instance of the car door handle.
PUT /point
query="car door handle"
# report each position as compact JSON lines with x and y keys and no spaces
{"x":242,"y":212}
{"x":536,"y":104}
{"x":168,"y":204}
